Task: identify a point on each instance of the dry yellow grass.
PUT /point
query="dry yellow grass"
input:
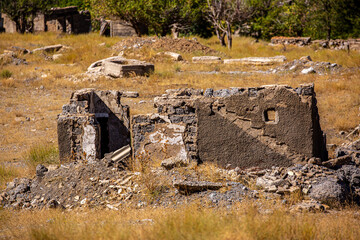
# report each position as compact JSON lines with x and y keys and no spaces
{"x":244,"y":221}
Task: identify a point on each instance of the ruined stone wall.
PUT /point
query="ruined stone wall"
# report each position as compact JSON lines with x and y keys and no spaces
{"x":261,"y":127}
{"x":67,"y":19}
{"x":94,"y":123}
{"x":301,"y":41}
{"x":244,"y":127}
{"x":39,"y":23}
{"x":121,"y":29}
{"x":337,"y":44}
{"x":8,"y":24}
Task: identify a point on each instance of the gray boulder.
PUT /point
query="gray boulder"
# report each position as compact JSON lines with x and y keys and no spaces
{"x":41,"y":170}
{"x":329,"y":191}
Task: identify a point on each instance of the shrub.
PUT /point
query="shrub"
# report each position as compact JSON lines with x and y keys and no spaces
{"x":5,"y":74}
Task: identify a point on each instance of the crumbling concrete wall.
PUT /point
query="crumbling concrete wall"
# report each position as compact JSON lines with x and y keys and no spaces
{"x":337,"y":44}
{"x":94,"y":123}
{"x":244,"y":127}
{"x":266,"y":126}
{"x":67,"y":19}
{"x":8,"y":24}
{"x":121,"y":29}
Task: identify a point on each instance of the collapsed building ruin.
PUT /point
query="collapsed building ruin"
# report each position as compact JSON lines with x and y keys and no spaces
{"x":336,"y":44}
{"x":94,"y":123}
{"x":261,"y":127}
{"x":67,"y":20}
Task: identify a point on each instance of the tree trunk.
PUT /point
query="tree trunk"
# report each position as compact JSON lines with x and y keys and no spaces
{"x":228,"y":34}
{"x":220,"y":37}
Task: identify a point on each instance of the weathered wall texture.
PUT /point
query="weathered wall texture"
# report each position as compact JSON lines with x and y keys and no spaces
{"x":245,"y":127}
{"x":121,"y":29}
{"x":8,"y":24}
{"x":94,"y":123}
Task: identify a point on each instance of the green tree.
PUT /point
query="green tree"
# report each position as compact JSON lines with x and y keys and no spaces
{"x":224,"y":14}
{"x":334,"y":19}
{"x":23,"y":12}
{"x":155,"y":16}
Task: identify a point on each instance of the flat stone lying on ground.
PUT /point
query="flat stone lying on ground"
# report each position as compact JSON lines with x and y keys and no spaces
{"x":188,"y":187}
{"x":206,"y":59}
{"x":127,"y":68}
{"x":120,"y":67}
{"x":52,"y":48}
{"x":256,"y":60}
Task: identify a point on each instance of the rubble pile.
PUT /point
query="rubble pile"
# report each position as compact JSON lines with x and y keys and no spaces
{"x":10,"y":57}
{"x":71,"y":185}
{"x":305,"y":65}
{"x":318,"y":182}
{"x":164,"y":44}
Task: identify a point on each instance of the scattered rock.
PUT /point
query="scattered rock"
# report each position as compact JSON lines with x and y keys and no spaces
{"x":41,"y":170}
{"x":308,"y":70}
{"x":308,"y":206}
{"x":306,"y":59}
{"x":57,"y":56}
{"x":129,"y":94}
{"x":329,"y":191}
{"x":21,"y":50}
{"x":173,"y":162}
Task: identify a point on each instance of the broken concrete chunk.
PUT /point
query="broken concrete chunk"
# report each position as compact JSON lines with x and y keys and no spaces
{"x":173,"y":162}
{"x":338,"y":162}
{"x":52,"y":48}
{"x":188,"y":187}
{"x":121,"y":153}
{"x":305,"y":59}
{"x":174,"y":56}
{"x":308,"y":206}
{"x":41,"y":170}
{"x":256,"y":60}
{"x":308,"y":70}
{"x":57,"y":56}
{"x":206,"y":59}
{"x":127,"y":68}
{"x":129,"y":94}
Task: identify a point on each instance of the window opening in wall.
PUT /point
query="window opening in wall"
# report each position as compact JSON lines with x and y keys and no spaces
{"x":104,"y":136}
{"x":270,"y":115}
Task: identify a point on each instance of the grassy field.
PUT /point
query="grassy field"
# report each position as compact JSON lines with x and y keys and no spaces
{"x":246,"y":221}
{"x":32,"y":95}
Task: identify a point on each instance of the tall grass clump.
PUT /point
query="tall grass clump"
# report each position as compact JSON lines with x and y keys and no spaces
{"x":5,"y":74}
{"x":42,"y":154}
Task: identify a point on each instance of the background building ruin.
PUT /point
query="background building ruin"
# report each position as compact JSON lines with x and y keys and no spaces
{"x":238,"y":127}
{"x":67,"y":20}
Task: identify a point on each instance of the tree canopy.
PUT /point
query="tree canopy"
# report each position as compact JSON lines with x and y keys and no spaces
{"x":318,"y":19}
